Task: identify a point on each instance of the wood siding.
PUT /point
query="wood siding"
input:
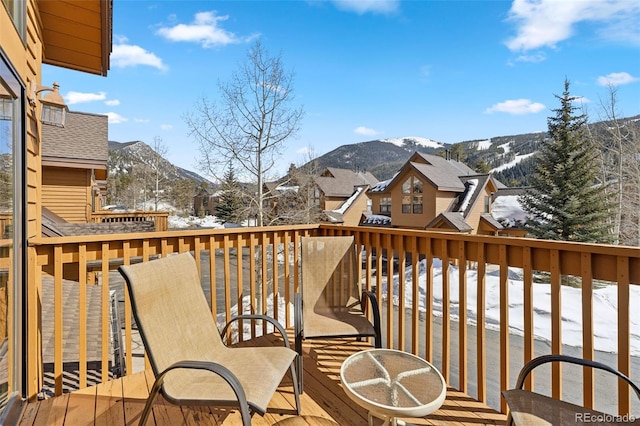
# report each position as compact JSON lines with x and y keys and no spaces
{"x":67,"y":193}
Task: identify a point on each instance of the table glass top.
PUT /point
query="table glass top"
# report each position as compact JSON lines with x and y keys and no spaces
{"x":392,"y":378}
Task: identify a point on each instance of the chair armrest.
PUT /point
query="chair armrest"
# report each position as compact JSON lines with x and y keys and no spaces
{"x":369,"y":296}
{"x":215,"y":368}
{"x":529,"y":366}
{"x":267,"y":318}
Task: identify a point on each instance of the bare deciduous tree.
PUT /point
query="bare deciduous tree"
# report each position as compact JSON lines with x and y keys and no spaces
{"x":621,"y":169}
{"x":250,"y":124}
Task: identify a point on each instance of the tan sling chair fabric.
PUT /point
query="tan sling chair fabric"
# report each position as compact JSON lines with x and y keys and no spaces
{"x":191,"y":364}
{"x":330,"y":302}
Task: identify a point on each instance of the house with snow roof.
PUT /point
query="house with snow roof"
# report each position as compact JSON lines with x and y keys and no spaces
{"x":338,"y":195}
{"x":435,"y":193}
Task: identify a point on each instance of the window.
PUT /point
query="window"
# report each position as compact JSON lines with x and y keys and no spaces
{"x":16,"y":10}
{"x":385,"y":205}
{"x":412,"y":195}
{"x":487,"y":204}
{"x":12,"y":238}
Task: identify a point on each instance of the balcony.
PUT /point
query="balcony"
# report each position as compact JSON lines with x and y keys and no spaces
{"x":244,"y":270}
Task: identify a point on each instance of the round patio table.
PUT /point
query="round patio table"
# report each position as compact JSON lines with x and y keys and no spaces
{"x":391,"y":384}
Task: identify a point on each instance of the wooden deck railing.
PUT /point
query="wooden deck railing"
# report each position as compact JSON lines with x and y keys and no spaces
{"x":250,"y":258}
{"x":161,"y":219}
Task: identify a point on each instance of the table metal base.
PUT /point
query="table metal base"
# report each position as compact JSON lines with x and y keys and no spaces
{"x":388,"y":420}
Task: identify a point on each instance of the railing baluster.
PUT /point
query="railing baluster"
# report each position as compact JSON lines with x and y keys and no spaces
{"x":82,"y":315}
{"x":252,"y":278}
{"x":462,"y":317}
{"x":402,"y":261}
{"x":588,"y":374}
{"x":128,"y":338}
{"x":104,"y":309}
{"x":504,"y":322}
{"x":428,"y":320}
{"x":415,"y":296}
{"x":624,"y":355}
{"x":390,"y":317}
{"x":446,"y":311}
{"x":57,"y":319}
{"x":481,"y":359}
{"x":556,"y":322}
{"x":527,"y":272}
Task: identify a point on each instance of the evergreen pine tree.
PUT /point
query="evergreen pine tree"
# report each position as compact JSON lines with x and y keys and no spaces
{"x":230,"y":206}
{"x":564,"y":201}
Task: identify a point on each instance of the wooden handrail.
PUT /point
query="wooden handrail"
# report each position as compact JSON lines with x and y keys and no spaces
{"x":252,"y":266}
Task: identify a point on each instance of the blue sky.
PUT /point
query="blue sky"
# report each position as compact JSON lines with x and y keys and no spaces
{"x":365,"y":69}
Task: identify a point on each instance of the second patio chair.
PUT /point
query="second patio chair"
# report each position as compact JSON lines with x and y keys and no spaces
{"x":330,"y":302}
{"x":191,"y":364}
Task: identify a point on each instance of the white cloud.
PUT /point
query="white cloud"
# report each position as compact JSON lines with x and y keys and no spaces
{"x":129,"y":55}
{"x":112,"y":102}
{"x":516,"y":107}
{"x":141,"y":120}
{"x":166,"y":126}
{"x":205,"y":30}
{"x":72,"y":98}
{"x":366,"y":6}
{"x":544,"y":23}
{"x":365,"y":131}
{"x":535,"y":58}
{"x":616,"y":79}
{"x":115,"y":118}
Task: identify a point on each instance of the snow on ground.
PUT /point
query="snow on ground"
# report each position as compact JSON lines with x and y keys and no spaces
{"x":506,"y":147}
{"x":192,"y":222}
{"x":605,"y":306}
{"x":401,"y":142}
{"x":518,"y":159}
{"x":482,"y":145}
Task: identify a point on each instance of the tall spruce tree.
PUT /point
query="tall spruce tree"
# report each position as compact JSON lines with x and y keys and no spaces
{"x":230,"y":207}
{"x":564,"y":201}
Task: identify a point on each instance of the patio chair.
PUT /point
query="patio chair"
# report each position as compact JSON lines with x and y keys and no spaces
{"x":330,"y":302}
{"x":190,"y":362}
{"x":528,"y":407}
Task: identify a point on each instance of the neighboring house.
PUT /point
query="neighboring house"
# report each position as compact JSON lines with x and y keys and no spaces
{"x":336,"y":195}
{"x":205,"y":202}
{"x":435,"y":193}
{"x":74,"y":166}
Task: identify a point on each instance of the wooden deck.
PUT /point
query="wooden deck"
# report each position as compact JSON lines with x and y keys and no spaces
{"x":120,"y":402}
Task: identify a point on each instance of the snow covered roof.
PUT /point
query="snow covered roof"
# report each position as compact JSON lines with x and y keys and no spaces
{"x":507,"y":209}
{"x":376,"y":220}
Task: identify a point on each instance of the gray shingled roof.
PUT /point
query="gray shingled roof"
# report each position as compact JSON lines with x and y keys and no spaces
{"x":454,"y":219}
{"x":83,"y":137}
{"x":336,"y":182}
{"x":491,"y":220}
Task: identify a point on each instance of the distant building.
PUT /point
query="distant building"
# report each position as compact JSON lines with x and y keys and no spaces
{"x":335,"y":195}
{"x":435,"y":193}
{"x":74,"y":166}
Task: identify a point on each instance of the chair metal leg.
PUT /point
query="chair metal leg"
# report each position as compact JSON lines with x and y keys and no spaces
{"x":296,"y":388}
{"x":300,"y":370}
{"x":152,"y":396}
